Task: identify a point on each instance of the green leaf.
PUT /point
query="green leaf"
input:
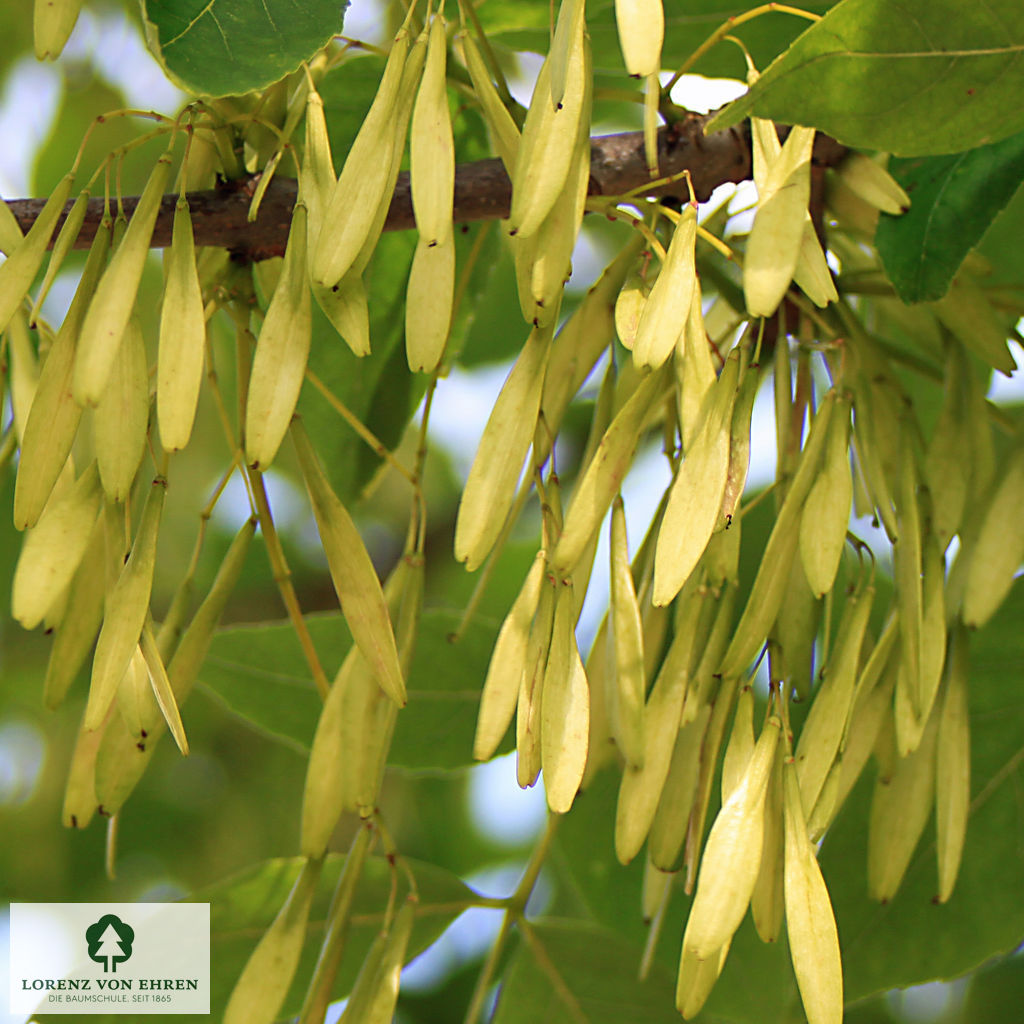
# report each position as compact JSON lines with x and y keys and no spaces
{"x":578,"y":971}
{"x":954,"y":199}
{"x":219,"y":47}
{"x":1001,"y":244}
{"x":912,"y":77}
{"x":498,"y":330}
{"x":595,"y":885}
{"x":242,"y":907}
{"x":444,"y":693}
{"x":258,"y":672}
{"x":912,"y":939}
{"x":997,"y":993}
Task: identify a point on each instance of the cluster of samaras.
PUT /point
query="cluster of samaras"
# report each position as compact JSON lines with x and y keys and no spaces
{"x":666,"y":689}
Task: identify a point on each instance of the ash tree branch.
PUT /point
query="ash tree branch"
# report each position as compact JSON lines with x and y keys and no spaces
{"x":482,"y":189}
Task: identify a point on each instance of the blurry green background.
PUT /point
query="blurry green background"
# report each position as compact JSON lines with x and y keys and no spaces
{"x":234,"y":802}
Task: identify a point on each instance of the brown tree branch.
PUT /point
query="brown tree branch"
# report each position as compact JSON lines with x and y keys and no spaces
{"x":482,"y":189}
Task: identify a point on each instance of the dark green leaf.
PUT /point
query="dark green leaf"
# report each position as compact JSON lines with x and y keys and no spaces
{"x":596,"y":886}
{"x":444,"y":693}
{"x":912,"y":77}
{"x":587,"y":973}
{"x":220,"y":47}
{"x":450,"y":584}
{"x":258,"y":671}
{"x":912,"y":939}
{"x":1001,"y":244}
{"x":498,"y":330}
{"x":953,"y":201}
{"x":997,"y":993}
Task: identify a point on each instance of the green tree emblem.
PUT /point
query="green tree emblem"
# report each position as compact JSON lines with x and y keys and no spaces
{"x":110,"y":942}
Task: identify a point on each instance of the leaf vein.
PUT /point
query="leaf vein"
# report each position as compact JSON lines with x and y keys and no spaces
{"x":188,"y":28}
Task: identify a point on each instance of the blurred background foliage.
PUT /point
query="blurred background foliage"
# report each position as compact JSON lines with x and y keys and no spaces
{"x":194,"y":824}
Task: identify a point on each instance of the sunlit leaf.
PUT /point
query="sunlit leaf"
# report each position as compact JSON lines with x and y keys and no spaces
{"x":912,"y":78}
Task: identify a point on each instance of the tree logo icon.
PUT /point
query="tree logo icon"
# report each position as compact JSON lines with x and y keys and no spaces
{"x":110,"y":942}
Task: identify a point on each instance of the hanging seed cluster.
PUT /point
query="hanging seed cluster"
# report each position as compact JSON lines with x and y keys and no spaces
{"x":665,"y":693}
